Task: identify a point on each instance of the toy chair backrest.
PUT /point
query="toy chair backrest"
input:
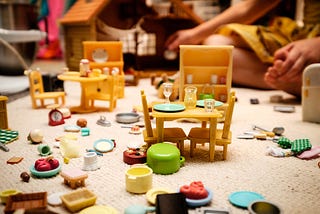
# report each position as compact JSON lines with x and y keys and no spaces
{"x":228,"y":116}
{"x":146,"y":115}
{"x":36,"y":84}
{"x":113,"y":49}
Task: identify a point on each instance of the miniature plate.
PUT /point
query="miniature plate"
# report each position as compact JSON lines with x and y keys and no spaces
{"x":200,"y":103}
{"x":151,"y":195}
{"x":45,"y":174}
{"x":100,"y":55}
{"x":72,"y":128}
{"x":165,"y":107}
{"x":200,"y":202}
{"x":103,"y":145}
{"x":244,"y":198}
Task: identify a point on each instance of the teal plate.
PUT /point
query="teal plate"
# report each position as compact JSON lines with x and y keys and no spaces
{"x":45,"y":174}
{"x":244,"y":198}
{"x":171,"y":107}
{"x":103,"y":145}
{"x":200,"y":103}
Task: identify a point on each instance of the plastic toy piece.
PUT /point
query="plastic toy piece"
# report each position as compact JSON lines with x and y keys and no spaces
{"x":37,"y":200}
{"x":3,"y":112}
{"x":37,"y":91}
{"x":78,"y":199}
{"x":55,"y":117}
{"x":14,"y":160}
{"x":74,"y":178}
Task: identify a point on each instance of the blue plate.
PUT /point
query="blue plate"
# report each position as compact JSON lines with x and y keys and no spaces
{"x":244,"y":198}
{"x":103,"y":145}
{"x":200,"y":202}
{"x":200,"y":103}
{"x":169,"y":107}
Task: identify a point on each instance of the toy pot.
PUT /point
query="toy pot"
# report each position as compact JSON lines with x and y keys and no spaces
{"x":262,"y":207}
{"x":164,"y":158}
{"x":138,"y":178}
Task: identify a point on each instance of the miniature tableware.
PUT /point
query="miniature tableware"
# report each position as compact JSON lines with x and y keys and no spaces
{"x":69,"y":148}
{"x":4,"y":195}
{"x":244,"y":198}
{"x":78,"y":199}
{"x":45,"y":174}
{"x":99,"y":209}
{"x":44,"y":150}
{"x":90,"y":161}
{"x":103,"y":121}
{"x":200,"y":103}
{"x":263,"y":207}
{"x":151,"y":195}
{"x":139,"y":209}
{"x":164,"y":107}
{"x":190,"y":97}
{"x":103,"y":145}
{"x":138,"y":178}
{"x":130,"y":117}
{"x":209,"y":105}
{"x":164,"y":158}
{"x":200,"y":202}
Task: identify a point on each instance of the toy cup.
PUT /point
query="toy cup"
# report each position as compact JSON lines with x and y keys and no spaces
{"x":190,"y":97}
{"x":44,"y":150}
{"x":69,"y":148}
{"x":139,"y":178}
{"x":208,"y":105}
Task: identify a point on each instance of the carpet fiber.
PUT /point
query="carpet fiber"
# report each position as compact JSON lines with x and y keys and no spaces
{"x":292,"y":183}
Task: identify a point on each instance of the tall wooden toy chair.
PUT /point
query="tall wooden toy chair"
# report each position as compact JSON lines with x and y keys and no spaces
{"x":105,"y":90}
{"x":173,"y":134}
{"x":223,"y":136}
{"x":37,"y":91}
{"x":106,"y":55}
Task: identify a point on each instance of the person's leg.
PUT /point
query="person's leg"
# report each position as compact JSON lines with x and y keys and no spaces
{"x":248,"y":70}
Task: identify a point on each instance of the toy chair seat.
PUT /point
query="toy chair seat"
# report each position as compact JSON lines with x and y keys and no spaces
{"x":223,"y":136}
{"x":150,"y":135}
{"x":37,"y":91}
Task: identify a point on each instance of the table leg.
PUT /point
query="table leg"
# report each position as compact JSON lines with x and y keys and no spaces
{"x":212,"y":137}
{"x":160,"y":129}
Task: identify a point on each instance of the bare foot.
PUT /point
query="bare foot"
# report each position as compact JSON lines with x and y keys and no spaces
{"x":279,"y":82}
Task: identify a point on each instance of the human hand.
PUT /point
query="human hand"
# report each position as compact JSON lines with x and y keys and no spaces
{"x":182,"y":37}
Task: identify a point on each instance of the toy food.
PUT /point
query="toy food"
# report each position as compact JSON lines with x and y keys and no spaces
{"x":82,"y":122}
{"x":195,"y":190}
{"x":46,"y":164}
{"x":25,"y":176}
{"x":35,"y":136}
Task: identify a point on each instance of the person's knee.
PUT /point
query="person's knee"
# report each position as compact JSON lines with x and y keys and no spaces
{"x":217,"y":39}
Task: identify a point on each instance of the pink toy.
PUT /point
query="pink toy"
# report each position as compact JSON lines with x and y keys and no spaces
{"x":314,"y":152}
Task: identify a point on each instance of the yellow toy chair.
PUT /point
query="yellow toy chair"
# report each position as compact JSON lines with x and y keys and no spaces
{"x":37,"y":92}
{"x":223,"y":136}
{"x":106,"y":54}
{"x":173,"y":134}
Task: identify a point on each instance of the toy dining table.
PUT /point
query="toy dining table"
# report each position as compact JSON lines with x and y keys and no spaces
{"x":85,"y":82}
{"x":197,"y":113}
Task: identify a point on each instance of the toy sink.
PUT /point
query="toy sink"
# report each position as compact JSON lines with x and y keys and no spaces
{"x":164,"y":158}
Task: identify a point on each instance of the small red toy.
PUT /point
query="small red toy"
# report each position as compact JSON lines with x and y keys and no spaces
{"x":46,"y":164}
{"x":195,"y":190}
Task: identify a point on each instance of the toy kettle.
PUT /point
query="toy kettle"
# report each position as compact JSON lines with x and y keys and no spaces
{"x":311,"y":93}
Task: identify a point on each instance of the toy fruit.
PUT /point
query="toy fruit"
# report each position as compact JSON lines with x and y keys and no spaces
{"x":25,"y":176}
{"x":43,"y":166}
{"x":46,"y":164}
{"x":54,"y":163}
{"x":195,"y":190}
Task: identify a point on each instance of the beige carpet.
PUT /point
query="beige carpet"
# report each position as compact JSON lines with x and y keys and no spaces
{"x":292,"y":183}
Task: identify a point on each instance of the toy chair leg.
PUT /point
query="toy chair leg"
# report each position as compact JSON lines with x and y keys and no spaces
{"x":192,"y":147}
{"x":225,"y":150}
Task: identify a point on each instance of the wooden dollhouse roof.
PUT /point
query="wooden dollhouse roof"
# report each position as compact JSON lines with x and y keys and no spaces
{"x":83,"y":11}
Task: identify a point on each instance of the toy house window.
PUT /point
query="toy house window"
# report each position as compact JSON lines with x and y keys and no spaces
{"x":144,"y":45}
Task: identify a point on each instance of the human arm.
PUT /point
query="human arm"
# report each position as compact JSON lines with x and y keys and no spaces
{"x":244,"y":12}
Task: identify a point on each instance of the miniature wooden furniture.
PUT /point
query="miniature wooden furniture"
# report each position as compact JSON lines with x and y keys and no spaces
{"x":106,"y":90}
{"x":94,"y":51}
{"x":197,"y":113}
{"x":89,"y":87}
{"x":203,"y":64}
{"x":3,"y":112}
{"x":37,"y":91}
{"x":223,"y":136}
{"x":150,"y":135}
{"x":74,"y":178}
